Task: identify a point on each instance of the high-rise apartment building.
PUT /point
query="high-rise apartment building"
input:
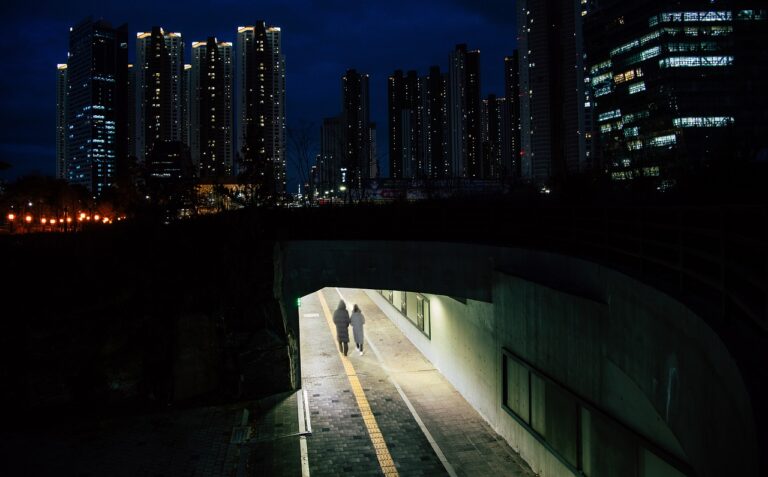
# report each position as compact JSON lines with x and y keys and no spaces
{"x":677,"y":86}
{"x":278,"y":129}
{"x":511,"y":153}
{"x":435,"y":131}
{"x":210,"y":106}
{"x":96,"y":103}
{"x":159,"y":100}
{"x":551,"y":93}
{"x":420,"y":127}
{"x":260,"y":99}
{"x":494,"y":137}
{"x":331,"y":172}
{"x":357,"y":128}
{"x":186,"y":98}
{"x":373,"y":156}
{"x":130,"y":114}
{"x":61,"y":121}
{"x":464,"y":112}
{"x":405,"y":129}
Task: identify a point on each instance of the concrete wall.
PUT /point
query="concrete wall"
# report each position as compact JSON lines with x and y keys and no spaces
{"x":624,"y":348}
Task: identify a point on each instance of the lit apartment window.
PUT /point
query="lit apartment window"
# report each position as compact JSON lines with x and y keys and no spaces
{"x":703,"y":122}
{"x":696,"y":61}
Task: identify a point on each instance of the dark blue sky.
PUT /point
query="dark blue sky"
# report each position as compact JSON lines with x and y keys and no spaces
{"x":321,"y":39}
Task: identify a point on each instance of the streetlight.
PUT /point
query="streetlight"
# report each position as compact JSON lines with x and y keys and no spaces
{"x":11,"y":218}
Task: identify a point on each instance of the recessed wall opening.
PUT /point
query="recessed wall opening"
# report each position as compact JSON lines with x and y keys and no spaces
{"x":576,"y":368}
{"x":412,"y":344}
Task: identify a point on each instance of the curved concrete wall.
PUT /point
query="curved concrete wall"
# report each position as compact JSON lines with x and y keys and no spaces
{"x":633,"y":352}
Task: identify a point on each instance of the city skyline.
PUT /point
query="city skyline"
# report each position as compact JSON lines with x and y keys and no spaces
{"x":28,"y":142}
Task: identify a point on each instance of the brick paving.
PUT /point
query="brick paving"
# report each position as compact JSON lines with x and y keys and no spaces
{"x":340,"y":444}
{"x":469,"y":444}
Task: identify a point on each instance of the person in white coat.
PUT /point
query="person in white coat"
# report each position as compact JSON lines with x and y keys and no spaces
{"x":358,"y":320}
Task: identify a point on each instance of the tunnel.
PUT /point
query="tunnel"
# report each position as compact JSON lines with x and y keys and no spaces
{"x":581,"y":369}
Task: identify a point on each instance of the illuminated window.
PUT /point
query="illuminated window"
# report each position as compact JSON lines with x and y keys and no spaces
{"x":662,"y":141}
{"x":625,"y":48}
{"x":608,"y":127}
{"x":650,"y":37}
{"x":605,"y":65}
{"x":601,"y":78}
{"x":651,"y":171}
{"x":751,"y":15}
{"x":703,"y":122}
{"x":628,"y":75}
{"x":609,"y":115}
{"x":637,"y":87}
{"x":695,"y":61}
{"x":643,"y":55}
{"x":603,"y":90}
{"x":632,"y":132}
{"x":717,"y":16}
{"x":689,"y":47}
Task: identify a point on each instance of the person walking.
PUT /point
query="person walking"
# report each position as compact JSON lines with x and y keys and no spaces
{"x":358,"y":320}
{"x":341,"y":320}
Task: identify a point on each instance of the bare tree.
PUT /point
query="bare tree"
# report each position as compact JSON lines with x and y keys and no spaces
{"x":302,"y":147}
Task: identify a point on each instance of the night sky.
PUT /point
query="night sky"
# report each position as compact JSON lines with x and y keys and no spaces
{"x":321,"y":39}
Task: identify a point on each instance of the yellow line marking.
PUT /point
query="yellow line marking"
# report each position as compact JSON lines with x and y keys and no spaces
{"x":382,"y":451}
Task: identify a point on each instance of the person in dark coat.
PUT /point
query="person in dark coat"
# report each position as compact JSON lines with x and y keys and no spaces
{"x":341,"y":320}
{"x":357,"y":320}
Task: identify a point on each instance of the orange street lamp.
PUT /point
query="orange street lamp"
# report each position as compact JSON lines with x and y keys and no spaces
{"x":96,"y":217}
{"x":87,"y":217}
{"x":43,"y":221}
{"x":61,"y":221}
{"x":28,"y":219}
{"x":11,"y":217}
{"x":69,"y":220}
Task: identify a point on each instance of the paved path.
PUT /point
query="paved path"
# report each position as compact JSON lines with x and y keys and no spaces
{"x":342,"y":442}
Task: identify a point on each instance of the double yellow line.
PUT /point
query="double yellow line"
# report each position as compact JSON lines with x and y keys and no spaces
{"x":382,"y":451}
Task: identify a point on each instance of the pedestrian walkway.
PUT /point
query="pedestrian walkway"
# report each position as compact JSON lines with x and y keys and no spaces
{"x":423,"y":423}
